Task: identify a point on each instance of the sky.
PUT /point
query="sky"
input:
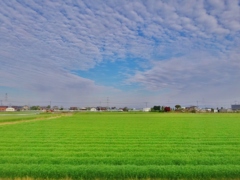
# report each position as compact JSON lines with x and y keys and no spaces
{"x":120,"y":53}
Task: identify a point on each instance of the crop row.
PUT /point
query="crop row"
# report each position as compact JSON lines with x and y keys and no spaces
{"x":91,"y":154}
{"x":121,"y":160}
{"x":120,"y":146}
{"x":117,"y":171}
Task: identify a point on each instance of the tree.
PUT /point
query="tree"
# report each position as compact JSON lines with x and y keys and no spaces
{"x":125,"y":109}
{"x":34,"y":108}
{"x":177,"y":106}
{"x":156,"y":108}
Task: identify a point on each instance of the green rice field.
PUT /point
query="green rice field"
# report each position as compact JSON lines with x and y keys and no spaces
{"x":121,"y":146}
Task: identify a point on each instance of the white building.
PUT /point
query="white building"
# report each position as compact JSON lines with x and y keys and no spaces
{"x":146,"y":109}
{"x":93,"y":109}
{"x":10,"y":109}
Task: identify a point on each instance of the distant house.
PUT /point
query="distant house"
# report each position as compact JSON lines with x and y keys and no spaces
{"x":236,"y":107}
{"x":10,"y":109}
{"x":102,"y":108}
{"x":43,"y":108}
{"x":55,"y":108}
{"x":83,"y":109}
{"x":3,"y":108}
{"x":17,"y":108}
{"x":25,"y":108}
{"x":222,"y":110}
{"x":225,"y":110}
{"x":73,"y":108}
{"x":192,"y":108}
{"x":93,"y":109}
{"x":167,"y":109}
{"x":136,"y":109}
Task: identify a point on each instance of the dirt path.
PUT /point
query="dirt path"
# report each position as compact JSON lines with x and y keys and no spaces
{"x":33,"y":120}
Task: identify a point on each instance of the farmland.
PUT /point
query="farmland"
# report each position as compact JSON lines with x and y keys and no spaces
{"x":122,"y":146}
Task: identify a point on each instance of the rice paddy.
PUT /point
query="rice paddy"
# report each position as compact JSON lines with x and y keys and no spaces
{"x":122,"y":146}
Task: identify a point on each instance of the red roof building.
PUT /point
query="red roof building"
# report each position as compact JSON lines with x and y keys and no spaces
{"x":3,"y":108}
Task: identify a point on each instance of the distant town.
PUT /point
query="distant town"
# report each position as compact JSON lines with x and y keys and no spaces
{"x":177,"y":108}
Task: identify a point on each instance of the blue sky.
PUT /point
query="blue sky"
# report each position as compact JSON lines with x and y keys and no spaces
{"x":86,"y":53}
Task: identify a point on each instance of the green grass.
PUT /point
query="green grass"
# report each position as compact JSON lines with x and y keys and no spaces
{"x":123,"y":146}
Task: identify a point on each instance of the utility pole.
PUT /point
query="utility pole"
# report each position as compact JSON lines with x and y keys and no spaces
{"x":6,"y":97}
{"x":146,"y":103}
{"x":107,"y":102}
{"x":100,"y":108}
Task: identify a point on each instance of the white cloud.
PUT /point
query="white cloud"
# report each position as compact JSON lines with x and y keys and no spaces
{"x":195,"y":76}
{"x":50,"y":39}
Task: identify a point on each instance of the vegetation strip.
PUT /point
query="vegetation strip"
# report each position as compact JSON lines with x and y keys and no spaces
{"x":30,"y":120}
